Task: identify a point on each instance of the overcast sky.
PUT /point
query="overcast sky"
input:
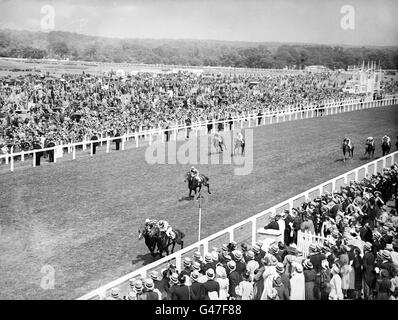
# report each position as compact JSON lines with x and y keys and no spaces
{"x":314,"y":21}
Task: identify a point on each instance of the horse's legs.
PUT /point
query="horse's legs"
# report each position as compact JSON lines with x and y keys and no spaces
{"x":208,"y":188}
{"x":172,"y":248}
{"x":182,"y":244}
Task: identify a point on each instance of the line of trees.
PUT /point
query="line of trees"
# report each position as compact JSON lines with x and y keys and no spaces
{"x":61,"y":45}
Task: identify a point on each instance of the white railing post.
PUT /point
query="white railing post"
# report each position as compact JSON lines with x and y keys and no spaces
{"x":175,"y":134}
{"x":150,"y":138}
{"x":55,"y":158}
{"x":34,"y":159}
{"x":136,"y":139}
{"x":254,"y":231}
{"x":22,"y":156}
{"x":12,"y":159}
{"x":108,"y":142}
{"x":124,"y":138}
{"x":91,"y":149}
{"x":74,"y":152}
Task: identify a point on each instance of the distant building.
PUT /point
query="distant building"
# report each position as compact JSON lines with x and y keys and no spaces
{"x":316,"y":69}
{"x":364,"y":79}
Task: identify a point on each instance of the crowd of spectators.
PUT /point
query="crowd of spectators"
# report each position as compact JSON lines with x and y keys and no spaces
{"x":357,"y":259}
{"x":68,"y":108}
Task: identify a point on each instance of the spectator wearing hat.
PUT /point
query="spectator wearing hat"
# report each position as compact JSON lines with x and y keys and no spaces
{"x":115,"y":294}
{"x":316,"y":256}
{"x":182,"y":291}
{"x":268,"y":275}
{"x":283,"y":292}
{"x":280,"y":270}
{"x":274,"y":250}
{"x":366,"y":233}
{"x":336,"y":292}
{"x":324,"y":280}
{"x":297,"y":283}
{"x":149,"y":289}
{"x":240,"y":263}
{"x":208,"y":262}
{"x":234,"y":279}
{"x":309,"y":277}
{"x":251,"y":265}
{"x":211,"y":287}
{"x":383,"y":286}
{"x":161,"y":285}
{"x":258,"y":282}
{"x":187,"y":267}
{"x":173,"y":285}
{"x":197,"y":289}
{"x":222,"y":279}
{"x":357,"y":265}
{"x":244,"y":290}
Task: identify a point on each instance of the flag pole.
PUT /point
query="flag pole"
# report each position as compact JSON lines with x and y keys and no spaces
{"x":200,"y":214}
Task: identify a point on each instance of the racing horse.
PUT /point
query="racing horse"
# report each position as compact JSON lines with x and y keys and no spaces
{"x":347,"y":149}
{"x":195,"y":185}
{"x":218,"y":143}
{"x":163,"y":241}
{"x":370,"y":149}
{"x":150,"y":238}
{"x":385,"y":147}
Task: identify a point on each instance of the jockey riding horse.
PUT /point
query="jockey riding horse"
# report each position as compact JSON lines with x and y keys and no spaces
{"x":348,"y":147}
{"x":386,"y":145}
{"x":218,"y":142}
{"x":196,"y":180}
{"x":370,"y":147}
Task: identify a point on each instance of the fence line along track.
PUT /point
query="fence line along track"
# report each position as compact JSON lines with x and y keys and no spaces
{"x":253,"y":120}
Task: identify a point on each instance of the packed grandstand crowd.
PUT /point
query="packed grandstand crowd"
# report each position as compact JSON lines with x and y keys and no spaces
{"x":358,"y":258}
{"x":70,"y":107}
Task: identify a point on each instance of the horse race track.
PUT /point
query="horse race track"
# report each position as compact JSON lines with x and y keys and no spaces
{"x":81,"y":217}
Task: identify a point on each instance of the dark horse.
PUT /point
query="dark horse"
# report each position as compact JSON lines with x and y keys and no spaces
{"x":150,"y":239}
{"x":385,"y":147}
{"x":348,"y":149}
{"x":163,"y":241}
{"x":195,"y":185}
{"x":370,"y":149}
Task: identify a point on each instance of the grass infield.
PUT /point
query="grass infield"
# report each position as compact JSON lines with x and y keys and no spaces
{"x":81,"y":217}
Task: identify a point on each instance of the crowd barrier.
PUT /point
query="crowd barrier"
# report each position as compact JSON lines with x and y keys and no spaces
{"x":251,"y":225}
{"x":251,"y":120}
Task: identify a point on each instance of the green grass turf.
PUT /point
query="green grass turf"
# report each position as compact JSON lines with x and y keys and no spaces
{"x":81,"y":217}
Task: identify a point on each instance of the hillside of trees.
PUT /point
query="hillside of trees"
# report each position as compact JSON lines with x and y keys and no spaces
{"x":61,"y":45}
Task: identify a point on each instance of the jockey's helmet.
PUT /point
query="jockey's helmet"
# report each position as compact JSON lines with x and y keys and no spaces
{"x":147,"y":221}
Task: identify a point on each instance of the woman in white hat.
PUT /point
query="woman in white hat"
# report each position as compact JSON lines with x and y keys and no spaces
{"x":297,"y":283}
{"x":336,"y":292}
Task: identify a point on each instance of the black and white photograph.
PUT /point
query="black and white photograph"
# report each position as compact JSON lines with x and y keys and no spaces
{"x":210,"y":151}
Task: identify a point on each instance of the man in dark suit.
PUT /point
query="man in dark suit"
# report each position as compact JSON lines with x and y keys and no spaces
{"x":211,"y":285}
{"x":239,"y":262}
{"x":197,"y":289}
{"x":316,"y":257}
{"x":117,"y":141}
{"x":187,"y":267}
{"x":162,"y":285}
{"x":234,"y":279}
{"x":369,"y":275}
{"x":95,"y":144}
{"x":181,"y":292}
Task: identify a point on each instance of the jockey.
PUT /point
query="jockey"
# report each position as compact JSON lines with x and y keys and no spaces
{"x":240,"y":137}
{"x":347,"y":141}
{"x":195,"y":174}
{"x":370,"y":141}
{"x":149,"y":223}
{"x":387,"y":139}
{"x":166,"y":228}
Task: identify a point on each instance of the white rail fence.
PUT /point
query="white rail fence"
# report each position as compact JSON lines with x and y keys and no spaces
{"x":254,"y":120}
{"x":247,"y":230}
